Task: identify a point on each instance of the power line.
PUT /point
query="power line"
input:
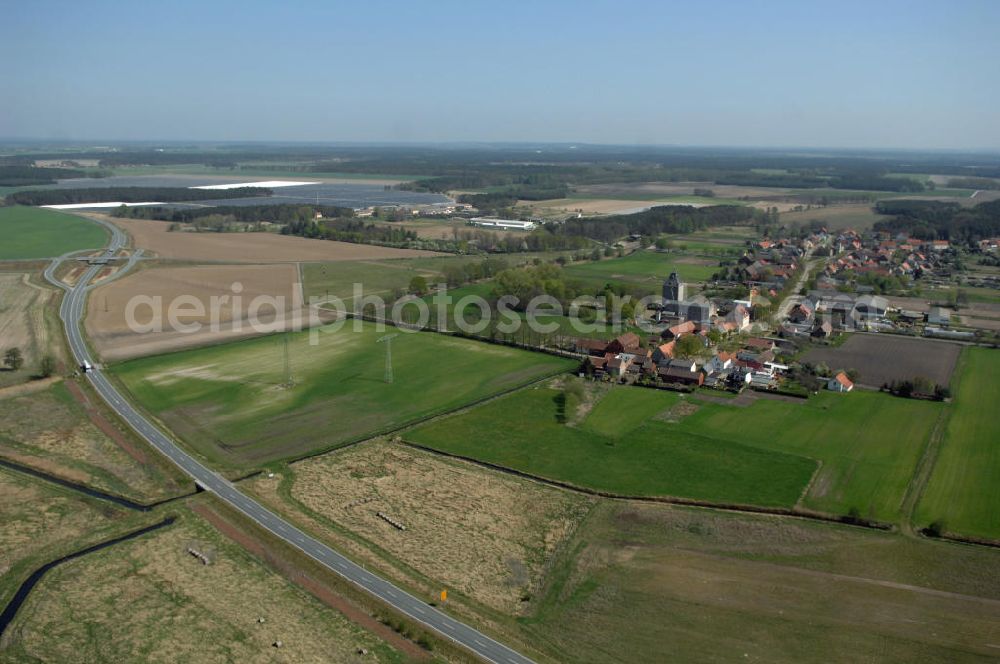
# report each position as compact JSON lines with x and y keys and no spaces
{"x":388,"y":355}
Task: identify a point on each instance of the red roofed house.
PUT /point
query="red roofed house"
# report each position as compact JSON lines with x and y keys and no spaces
{"x":664,"y":351}
{"x":626,"y":343}
{"x":840,"y":383}
{"x":687,"y":327}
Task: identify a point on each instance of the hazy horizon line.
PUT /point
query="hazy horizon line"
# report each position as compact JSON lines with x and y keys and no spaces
{"x":7,"y":140}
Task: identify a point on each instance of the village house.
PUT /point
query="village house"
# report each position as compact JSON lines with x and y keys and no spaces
{"x":720,"y":362}
{"x":681,"y":376}
{"x":840,"y":383}
{"x":626,"y":343}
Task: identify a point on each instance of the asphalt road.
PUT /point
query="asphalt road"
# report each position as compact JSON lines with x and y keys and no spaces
{"x":72,"y":311}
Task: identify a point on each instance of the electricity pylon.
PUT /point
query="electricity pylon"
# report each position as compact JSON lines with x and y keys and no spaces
{"x":388,"y":355}
{"x":289,"y":381}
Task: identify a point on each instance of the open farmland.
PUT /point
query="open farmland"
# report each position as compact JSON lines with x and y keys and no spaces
{"x":51,"y":431}
{"x":654,"y":459}
{"x":155,"y":237}
{"x":234,"y":402}
{"x":23,"y":323}
{"x":868,"y":444}
{"x":647,"y":268}
{"x":640,"y":580}
{"x":382,"y":277}
{"x":150,"y":600}
{"x":964,"y":488}
{"x":273,"y":287}
{"x":374,"y":278}
{"x":36,"y":233}
{"x":835,"y":217}
{"x":598,"y":206}
{"x":483,"y":534}
{"x":643,"y":442}
{"x":881,"y":359}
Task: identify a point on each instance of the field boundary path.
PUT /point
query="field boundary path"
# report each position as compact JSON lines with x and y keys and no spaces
{"x":71,"y":312}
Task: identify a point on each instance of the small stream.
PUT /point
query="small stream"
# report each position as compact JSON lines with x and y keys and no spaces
{"x":84,"y":489}
{"x":22,"y":593}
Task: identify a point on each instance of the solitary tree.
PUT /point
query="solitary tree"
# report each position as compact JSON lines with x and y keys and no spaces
{"x":418,"y":285}
{"x":47,"y":366}
{"x":13,"y":358}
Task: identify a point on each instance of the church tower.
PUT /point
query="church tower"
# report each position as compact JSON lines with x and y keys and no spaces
{"x":673,"y":289}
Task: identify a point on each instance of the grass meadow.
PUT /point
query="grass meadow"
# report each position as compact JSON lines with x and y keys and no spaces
{"x":645,"y":268}
{"x":654,"y":459}
{"x":37,"y":233}
{"x":863,"y":447}
{"x":233,"y":403}
{"x":964,"y":488}
{"x":645,"y":582}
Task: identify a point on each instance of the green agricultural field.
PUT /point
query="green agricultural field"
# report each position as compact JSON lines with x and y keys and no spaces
{"x":337,"y":279}
{"x":384,"y":276}
{"x":964,"y":488}
{"x":836,"y":217}
{"x":37,"y":233}
{"x":565,"y":326}
{"x":233,"y":402}
{"x":868,"y":443}
{"x":654,"y":459}
{"x":641,"y":442}
{"x":646,"y":268}
{"x":653,"y":199}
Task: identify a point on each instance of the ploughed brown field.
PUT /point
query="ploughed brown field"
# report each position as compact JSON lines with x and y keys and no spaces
{"x":110,"y":333}
{"x":882,"y":359}
{"x":155,"y":237}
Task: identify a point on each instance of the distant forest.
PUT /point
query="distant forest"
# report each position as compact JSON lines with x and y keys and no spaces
{"x":661,"y":219}
{"x":937,"y":220}
{"x":130,"y":195}
{"x":279,"y":214}
{"x":21,"y":176}
{"x":510,"y":172}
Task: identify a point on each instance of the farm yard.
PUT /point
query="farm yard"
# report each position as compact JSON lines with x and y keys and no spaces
{"x":484,"y":535}
{"x":964,"y":487}
{"x":37,"y":233}
{"x":720,"y":586}
{"x":237,"y":404}
{"x":179,"y":609}
{"x":108,"y":327}
{"x":883,"y":358}
{"x":830,"y":454}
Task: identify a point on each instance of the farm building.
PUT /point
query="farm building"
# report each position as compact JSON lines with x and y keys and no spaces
{"x":504,"y":224}
{"x":939,"y":316}
{"x":682,"y":376}
{"x":840,"y":383}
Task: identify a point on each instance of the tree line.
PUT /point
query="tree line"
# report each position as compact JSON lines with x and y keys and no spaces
{"x":658,"y":220}
{"x":130,"y":195}
{"x":279,"y":214}
{"x":937,"y":220}
{"x":21,"y":176}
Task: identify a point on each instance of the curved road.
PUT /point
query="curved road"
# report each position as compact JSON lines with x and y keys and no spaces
{"x":71,"y":313}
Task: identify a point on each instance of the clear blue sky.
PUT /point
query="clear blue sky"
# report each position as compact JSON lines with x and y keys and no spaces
{"x":879,"y":73}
